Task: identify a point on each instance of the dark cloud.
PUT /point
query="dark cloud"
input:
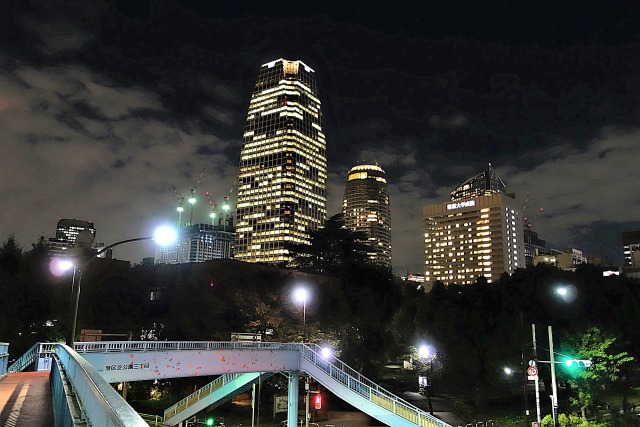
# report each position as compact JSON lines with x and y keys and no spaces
{"x":121,"y":101}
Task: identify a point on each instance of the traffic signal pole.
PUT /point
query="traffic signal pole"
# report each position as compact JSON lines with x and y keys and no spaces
{"x":554,"y":386}
{"x":537,"y":377}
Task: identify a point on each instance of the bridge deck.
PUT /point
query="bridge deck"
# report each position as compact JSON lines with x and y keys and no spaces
{"x":25,"y":400}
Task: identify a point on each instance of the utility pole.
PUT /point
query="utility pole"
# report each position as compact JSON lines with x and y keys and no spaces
{"x":524,"y":372}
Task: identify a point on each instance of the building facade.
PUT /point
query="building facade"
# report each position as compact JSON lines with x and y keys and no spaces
{"x":198,"y":243}
{"x":631,"y":253}
{"x":478,"y":235}
{"x":282,"y":177}
{"x":365,"y":208}
{"x":67,"y":231}
{"x":533,"y":245}
{"x":568,"y":259}
{"x":486,"y":183}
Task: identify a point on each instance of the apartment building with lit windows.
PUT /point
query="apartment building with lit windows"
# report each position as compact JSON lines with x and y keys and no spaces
{"x":282,"y":177}
{"x":365,"y":208}
{"x":466,"y":238}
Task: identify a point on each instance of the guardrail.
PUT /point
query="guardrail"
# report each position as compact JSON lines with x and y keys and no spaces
{"x":99,"y":403}
{"x":199,"y":394}
{"x":4,"y":358}
{"x":366,"y":388}
{"x":130,"y":346}
{"x":30,"y":356}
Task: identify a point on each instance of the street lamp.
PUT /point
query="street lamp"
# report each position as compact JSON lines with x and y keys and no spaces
{"x":426,"y":353}
{"x":164,"y":235}
{"x":301,"y":296}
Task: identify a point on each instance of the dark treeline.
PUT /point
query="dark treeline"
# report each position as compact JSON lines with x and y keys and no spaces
{"x":362,"y":311}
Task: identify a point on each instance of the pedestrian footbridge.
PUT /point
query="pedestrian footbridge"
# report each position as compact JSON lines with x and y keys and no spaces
{"x":81,"y":378}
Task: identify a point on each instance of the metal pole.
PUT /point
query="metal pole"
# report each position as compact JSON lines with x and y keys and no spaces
{"x":75,"y":292}
{"x":535,"y":358}
{"x":304,"y":317}
{"x":73,"y":307}
{"x":554,"y":408}
{"x":306,"y":410}
{"x":253,"y":403}
{"x":524,"y":368}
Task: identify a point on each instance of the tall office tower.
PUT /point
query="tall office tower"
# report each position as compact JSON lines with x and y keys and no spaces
{"x":365,"y":208}
{"x":480,"y":235}
{"x":67,"y":231}
{"x":283,"y":167}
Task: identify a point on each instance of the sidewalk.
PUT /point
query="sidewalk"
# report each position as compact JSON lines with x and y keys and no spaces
{"x":25,"y":400}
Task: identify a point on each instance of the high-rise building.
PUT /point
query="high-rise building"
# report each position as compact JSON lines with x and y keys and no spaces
{"x":365,"y":208}
{"x":478,"y":235}
{"x":283,"y":168}
{"x":204,"y":242}
{"x":67,"y":230}
{"x":198,"y":243}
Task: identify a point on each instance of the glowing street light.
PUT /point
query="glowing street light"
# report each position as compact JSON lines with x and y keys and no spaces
{"x":567,"y":293}
{"x":426,"y":353}
{"x":301,"y":296}
{"x":164,"y":235}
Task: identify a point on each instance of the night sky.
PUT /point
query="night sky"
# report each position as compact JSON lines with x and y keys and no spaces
{"x":105,"y":106}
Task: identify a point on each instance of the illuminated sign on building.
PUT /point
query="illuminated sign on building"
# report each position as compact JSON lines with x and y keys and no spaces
{"x":458,"y":205}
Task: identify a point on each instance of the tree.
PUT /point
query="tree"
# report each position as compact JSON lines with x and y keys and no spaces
{"x":332,"y":249}
{"x":10,"y":256}
{"x":605,"y":369}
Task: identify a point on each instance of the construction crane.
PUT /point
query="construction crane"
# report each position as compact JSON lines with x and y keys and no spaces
{"x":528,"y":220}
{"x":191,"y":199}
{"x":180,"y":208}
{"x":214,"y":208}
{"x":224,"y":211}
{"x":192,"y":196}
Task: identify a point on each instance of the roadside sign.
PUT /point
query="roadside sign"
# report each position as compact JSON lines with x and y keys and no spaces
{"x":532,"y":371}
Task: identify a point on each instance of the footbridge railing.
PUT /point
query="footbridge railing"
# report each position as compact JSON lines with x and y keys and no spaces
{"x":199,"y":394}
{"x":37,"y":351}
{"x":365,"y":388}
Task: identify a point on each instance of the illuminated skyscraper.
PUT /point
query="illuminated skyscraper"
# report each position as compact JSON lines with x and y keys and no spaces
{"x":67,"y":231}
{"x":477,"y":235}
{"x":283,"y":167}
{"x":365,"y":208}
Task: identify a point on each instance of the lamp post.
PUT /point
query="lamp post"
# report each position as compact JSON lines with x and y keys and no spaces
{"x":425,"y":353}
{"x":163,"y":235}
{"x":301,"y":295}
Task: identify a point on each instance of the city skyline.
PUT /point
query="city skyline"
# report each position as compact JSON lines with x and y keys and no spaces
{"x":105,"y":108}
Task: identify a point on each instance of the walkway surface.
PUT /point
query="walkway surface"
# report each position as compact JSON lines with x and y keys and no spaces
{"x":25,"y":400}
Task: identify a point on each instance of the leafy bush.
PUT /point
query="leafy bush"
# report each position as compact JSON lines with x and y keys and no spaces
{"x":462,"y":408}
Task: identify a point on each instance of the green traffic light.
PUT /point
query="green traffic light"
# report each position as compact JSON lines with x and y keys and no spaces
{"x":210,"y":421}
